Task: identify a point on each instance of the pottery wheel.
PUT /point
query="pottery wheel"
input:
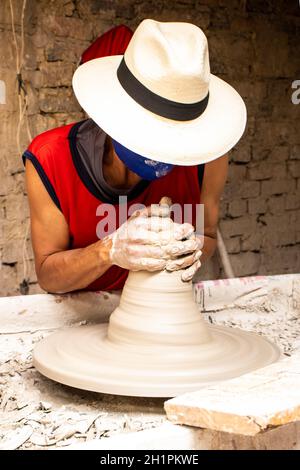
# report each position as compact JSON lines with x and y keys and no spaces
{"x":156,"y":344}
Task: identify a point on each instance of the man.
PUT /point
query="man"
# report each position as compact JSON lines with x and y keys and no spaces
{"x":156,"y":116}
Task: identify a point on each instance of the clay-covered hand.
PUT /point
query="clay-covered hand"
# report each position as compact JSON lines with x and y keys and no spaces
{"x":189,"y":272}
{"x":185,"y":254}
{"x":190,"y":263}
{"x":149,"y":240}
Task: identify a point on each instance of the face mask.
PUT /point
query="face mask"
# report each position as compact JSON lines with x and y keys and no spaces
{"x":144,"y":167}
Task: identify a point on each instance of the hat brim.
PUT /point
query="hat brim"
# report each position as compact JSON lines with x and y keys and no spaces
{"x":200,"y":140}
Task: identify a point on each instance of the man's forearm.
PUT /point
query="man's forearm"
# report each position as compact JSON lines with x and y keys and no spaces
{"x":208,"y":249}
{"x":70,"y":270}
{"x":75,"y":269}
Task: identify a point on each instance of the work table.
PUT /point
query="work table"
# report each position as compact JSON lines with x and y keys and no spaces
{"x":38,"y":413}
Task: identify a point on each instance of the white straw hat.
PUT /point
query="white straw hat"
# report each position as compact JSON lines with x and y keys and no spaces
{"x":160,"y":99}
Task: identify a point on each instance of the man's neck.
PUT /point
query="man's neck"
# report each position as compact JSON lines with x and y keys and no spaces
{"x":115,"y":172}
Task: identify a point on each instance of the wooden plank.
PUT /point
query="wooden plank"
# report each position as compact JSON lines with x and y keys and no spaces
{"x":246,"y":405}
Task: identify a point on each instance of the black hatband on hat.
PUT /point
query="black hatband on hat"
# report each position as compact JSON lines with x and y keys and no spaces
{"x":155,"y":103}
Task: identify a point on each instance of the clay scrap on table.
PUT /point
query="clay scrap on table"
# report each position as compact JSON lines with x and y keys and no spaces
{"x":246,"y":405}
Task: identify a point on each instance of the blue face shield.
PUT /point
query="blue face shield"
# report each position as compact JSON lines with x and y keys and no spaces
{"x":144,"y":167}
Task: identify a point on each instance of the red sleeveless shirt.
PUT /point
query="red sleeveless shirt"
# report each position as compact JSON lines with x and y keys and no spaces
{"x":56,"y":160}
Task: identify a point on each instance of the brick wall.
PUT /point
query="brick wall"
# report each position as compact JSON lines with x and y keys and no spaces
{"x":254,"y":45}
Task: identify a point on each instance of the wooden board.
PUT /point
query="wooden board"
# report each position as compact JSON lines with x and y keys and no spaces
{"x":246,"y":405}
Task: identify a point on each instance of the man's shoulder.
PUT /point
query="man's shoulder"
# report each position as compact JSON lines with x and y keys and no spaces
{"x":50,"y":139}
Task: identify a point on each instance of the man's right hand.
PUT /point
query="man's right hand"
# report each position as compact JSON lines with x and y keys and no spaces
{"x":149,"y":240}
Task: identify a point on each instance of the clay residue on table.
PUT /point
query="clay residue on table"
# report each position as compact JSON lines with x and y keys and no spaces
{"x":269,"y":306}
{"x":36,"y":413}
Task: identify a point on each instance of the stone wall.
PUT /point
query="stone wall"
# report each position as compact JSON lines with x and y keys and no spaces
{"x":254,"y":45}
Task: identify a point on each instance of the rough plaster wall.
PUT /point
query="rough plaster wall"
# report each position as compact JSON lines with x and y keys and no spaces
{"x":254,"y":45}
